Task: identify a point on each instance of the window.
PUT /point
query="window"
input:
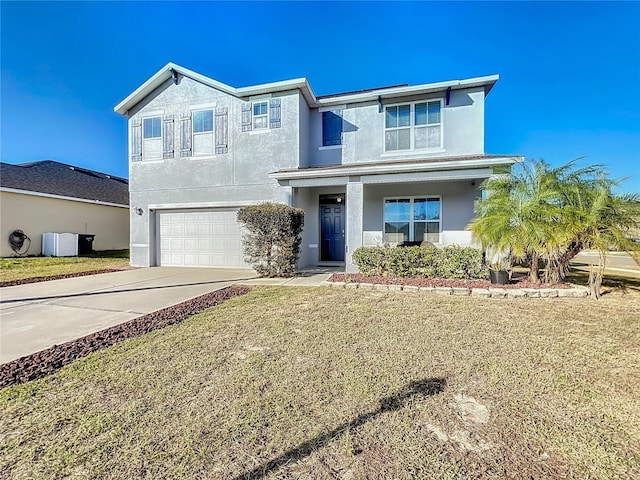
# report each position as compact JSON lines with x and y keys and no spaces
{"x":332,"y":128}
{"x":152,"y":127}
{"x":203,"y":141}
{"x":412,"y":219}
{"x":260,"y":115}
{"x":414,"y":126}
{"x":203,"y":121}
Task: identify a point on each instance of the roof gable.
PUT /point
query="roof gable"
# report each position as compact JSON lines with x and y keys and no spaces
{"x":55,"y":178}
{"x":171,"y":70}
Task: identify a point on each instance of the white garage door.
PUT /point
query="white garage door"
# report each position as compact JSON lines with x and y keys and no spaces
{"x":200,"y":238}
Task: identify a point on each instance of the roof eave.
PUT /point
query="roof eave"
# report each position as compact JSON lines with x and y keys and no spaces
{"x":164,"y":74}
{"x":487,"y":82}
{"x":386,"y":168}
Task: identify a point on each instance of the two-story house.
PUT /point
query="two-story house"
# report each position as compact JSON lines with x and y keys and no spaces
{"x":394,"y":164}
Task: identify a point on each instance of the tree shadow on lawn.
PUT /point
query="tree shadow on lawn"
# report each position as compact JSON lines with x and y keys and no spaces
{"x":419,"y":388}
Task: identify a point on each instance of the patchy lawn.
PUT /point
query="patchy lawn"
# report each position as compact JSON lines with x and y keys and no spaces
{"x":19,"y":268}
{"x":333,"y":383}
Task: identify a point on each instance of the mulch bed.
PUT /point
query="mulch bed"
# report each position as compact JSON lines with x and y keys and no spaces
{"x":518,"y":281}
{"x":24,"y":281}
{"x":46,"y":362}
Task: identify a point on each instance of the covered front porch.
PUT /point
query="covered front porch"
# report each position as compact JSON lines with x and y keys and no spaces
{"x":350,"y":206}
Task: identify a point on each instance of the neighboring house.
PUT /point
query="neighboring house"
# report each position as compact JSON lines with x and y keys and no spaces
{"x":368,"y":167}
{"x":50,"y":196}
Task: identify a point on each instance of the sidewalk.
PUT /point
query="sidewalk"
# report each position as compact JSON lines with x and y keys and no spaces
{"x":307,"y":277}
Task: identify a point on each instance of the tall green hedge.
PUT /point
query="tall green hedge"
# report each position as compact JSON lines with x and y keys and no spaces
{"x":451,"y":261}
{"x":272,"y":242}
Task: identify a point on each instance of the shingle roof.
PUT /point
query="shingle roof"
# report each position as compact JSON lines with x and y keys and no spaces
{"x":65,"y":180}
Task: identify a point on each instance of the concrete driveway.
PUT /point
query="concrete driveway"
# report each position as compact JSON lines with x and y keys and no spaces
{"x":38,"y":315}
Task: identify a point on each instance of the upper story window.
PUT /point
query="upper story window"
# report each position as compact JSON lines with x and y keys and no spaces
{"x":151,"y":147}
{"x":332,"y":128}
{"x":260,"y":115}
{"x":413,"y":126}
{"x":203,"y":141}
{"x":203,"y":121}
{"x":152,"y":127}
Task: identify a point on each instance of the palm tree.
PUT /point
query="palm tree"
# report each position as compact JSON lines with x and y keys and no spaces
{"x":519,"y":213}
{"x":548,"y":215}
{"x":600,"y":220}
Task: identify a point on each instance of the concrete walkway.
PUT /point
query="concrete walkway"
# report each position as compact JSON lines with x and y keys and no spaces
{"x":38,"y":315}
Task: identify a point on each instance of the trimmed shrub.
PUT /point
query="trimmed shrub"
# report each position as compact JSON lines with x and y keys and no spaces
{"x":272,"y":244}
{"x":452,"y":261}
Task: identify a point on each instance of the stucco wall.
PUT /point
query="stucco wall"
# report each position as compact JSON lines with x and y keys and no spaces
{"x":236,"y":178}
{"x":35,"y":215}
{"x":363,"y":130}
{"x":309,"y":200}
{"x":457,"y":208}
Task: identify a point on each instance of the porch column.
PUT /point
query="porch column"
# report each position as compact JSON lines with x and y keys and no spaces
{"x":354,"y":202}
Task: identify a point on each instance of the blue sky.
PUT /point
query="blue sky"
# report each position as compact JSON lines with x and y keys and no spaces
{"x":569,"y":86}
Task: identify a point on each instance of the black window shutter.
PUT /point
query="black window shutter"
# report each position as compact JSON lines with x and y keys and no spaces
{"x":136,"y":141}
{"x":222,"y":130}
{"x":246,"y":117}
{"x":274,"y":113}
{"x":167,"y":137}
{"x":185,"y":136}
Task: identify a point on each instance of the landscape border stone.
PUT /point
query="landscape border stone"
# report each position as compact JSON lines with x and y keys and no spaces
{"x":574,"y":291}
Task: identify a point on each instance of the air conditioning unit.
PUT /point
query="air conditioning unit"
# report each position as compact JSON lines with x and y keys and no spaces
{"x":59,"y":244}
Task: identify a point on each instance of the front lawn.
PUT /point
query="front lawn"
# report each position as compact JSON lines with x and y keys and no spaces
{"x":330,"y":383}
{"x":19,"y":268}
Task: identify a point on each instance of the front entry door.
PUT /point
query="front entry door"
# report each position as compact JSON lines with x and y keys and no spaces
{"x":332,"y":232}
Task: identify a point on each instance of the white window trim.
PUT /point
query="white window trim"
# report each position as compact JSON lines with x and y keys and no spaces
{"x":411,"y":221}
{"x":213,"y":121}
{"x":330,"y":147}
{"x":147,"y":115}
{"x":203,"y":107}
{"x":412,"y":126}
{"x":253,"y":116}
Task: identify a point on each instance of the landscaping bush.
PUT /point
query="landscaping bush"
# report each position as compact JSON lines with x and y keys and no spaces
{"x":422,"y":262}
{"x":272,"y":244}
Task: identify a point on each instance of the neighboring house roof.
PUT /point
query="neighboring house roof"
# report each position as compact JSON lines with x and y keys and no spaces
{"x":171,"y":70}
{"x":58,"y":179}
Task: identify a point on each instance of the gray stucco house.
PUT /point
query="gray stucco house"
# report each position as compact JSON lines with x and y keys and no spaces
{"x":376,"y":166}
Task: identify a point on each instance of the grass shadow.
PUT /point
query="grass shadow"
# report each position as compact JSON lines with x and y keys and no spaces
{"x":610,"y":283}
{"x":420,"y":388}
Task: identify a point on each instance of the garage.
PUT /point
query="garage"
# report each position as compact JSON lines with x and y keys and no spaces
{"x":200,"y":238}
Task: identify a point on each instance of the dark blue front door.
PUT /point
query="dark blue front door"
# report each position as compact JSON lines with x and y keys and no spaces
{"x":332,"y":232}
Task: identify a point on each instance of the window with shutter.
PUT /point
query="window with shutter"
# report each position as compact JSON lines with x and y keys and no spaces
{"x":203,"y":132}
{"x":152,"y":138}
{"x":260,"y":115}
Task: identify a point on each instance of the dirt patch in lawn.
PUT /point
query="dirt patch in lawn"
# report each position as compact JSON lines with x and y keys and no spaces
{"x":24,"y":281}
{"x":46,"y":362}
{"x":518,"y":281}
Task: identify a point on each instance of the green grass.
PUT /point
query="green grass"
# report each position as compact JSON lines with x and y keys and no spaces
{"x":287,"y":383}
{"x":18,"y":268}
